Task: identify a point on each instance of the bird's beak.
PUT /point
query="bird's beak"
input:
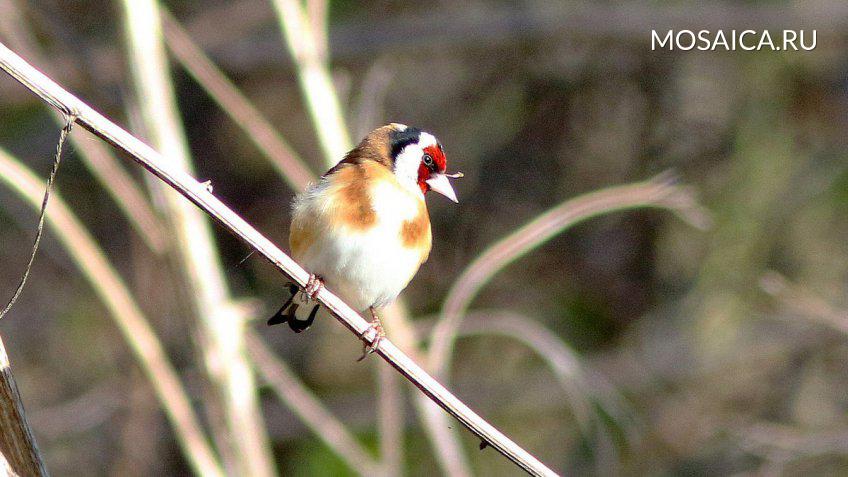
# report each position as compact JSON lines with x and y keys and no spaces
{"x":439,"y":183}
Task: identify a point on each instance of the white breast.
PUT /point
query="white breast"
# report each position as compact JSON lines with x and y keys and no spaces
{"x":365,"y":268}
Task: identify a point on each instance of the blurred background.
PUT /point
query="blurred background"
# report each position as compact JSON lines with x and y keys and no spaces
{"x":703,"y":334}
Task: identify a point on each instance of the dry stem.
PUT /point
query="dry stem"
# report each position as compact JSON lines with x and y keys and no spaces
{"x":19,"y":453}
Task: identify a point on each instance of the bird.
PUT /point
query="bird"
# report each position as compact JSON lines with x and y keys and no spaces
{"x":363,"y":229}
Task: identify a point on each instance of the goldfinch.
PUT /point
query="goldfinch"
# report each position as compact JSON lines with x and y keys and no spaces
{"x":363,"y":229}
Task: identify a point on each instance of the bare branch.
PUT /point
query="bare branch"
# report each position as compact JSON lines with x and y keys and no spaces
{"x":448,"y":450}
{"x":390,"y":421}
{"x":315,"y":81}
{"x":368,"y":109}
{"x":318,"y":12}
{"x":803,"y":301}
{"x":582,"y":384}
{"x":200,"y":195}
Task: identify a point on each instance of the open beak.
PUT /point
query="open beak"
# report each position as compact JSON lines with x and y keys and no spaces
{"x":440,"y":184}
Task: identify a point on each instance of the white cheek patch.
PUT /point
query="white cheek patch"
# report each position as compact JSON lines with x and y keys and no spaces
{"x":406,"y":166}
{"x":409,"y":160}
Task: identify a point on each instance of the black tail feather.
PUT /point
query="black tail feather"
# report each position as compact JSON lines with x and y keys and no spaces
{"x":287,"y":314}
{"x":302,"y":325}
{"x":281,"y":316}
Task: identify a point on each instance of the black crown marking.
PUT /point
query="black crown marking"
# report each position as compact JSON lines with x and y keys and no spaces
{"x":401,"y":139}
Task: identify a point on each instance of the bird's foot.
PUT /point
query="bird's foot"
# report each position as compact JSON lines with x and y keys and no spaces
{"x":379,"y":332}
{"x":312,"y":288}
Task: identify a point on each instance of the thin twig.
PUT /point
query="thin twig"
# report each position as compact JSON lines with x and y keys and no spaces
{"x":222,"y":323}
{"x":368,"y":108}
{"x":125,"y":311}
{"x":660,"y":192}
{"x":318,"y":12}
{"x":446,"y":445}
{"x":563,"y":362}
{"x":200,"y":195}
{"x":803,"y":301}
{"x":302,"y":402}
{"x":583,"y":386}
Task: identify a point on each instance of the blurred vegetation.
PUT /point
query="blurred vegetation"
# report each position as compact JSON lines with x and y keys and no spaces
{"x":719,"y":371}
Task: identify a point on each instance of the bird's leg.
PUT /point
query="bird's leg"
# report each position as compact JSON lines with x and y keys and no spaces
{"x":377,"y":326}
{"x":313,"y":287}
{"x":281,"y":316}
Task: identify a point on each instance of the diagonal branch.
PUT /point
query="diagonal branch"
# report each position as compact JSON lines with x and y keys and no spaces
{"x":201,"y":196}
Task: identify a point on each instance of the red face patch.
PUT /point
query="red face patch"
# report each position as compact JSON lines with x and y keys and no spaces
{"x":438,"y":157}
{"x":439,"y":165}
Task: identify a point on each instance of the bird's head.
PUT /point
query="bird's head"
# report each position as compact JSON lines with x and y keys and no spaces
{"x":416,"y":157}
{"x":419,"y":158}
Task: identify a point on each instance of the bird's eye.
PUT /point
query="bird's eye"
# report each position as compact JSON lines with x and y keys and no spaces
{"x":427,"y":160}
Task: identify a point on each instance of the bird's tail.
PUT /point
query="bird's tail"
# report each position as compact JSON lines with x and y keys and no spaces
{"x":288,"y":313}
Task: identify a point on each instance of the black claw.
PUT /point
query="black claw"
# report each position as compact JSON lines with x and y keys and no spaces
{"x":281,"y":316}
